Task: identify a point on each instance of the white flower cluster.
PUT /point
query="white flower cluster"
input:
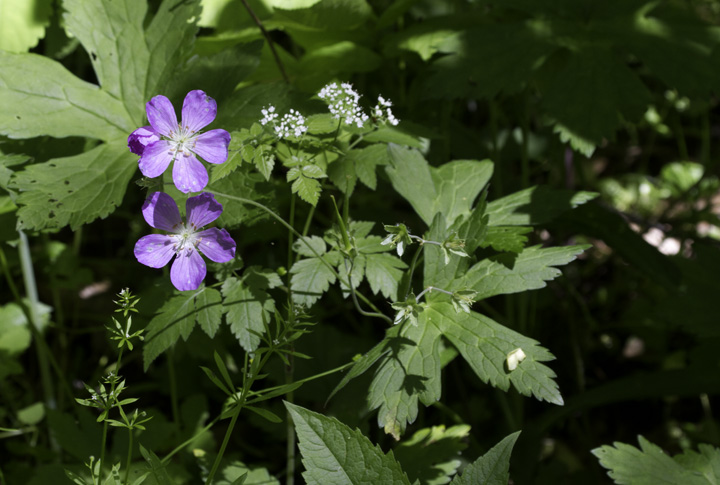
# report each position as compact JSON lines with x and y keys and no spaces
{"x":291,"y":124}
{"x":269,"y":115}
{"x":343,"y":103}
{"x":383,"y":113}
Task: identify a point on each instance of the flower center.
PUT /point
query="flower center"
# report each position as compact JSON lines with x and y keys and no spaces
{"x":182,"y":140}
{"x":186,"y":239}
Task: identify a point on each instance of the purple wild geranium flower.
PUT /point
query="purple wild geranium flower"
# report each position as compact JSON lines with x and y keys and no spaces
{"x":156,"y":250}
{"x":166,"y":140}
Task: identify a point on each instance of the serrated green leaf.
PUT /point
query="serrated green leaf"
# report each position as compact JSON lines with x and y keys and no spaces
{"x":507,"y":273}
{"x":432,"y":455}
{"x":438,"y":273}
{"x":174,"y":319}
{"x":264,"y":160}
{"x":593,"y":81}
{"x":577,"y":142}
{"x":222,"y":170}
{"x":208,"y":305}
{"x":23,"y":23}
{"x":410,"y":372}
{"x":237,"y":473}
{"x":535,"y":205}
{"x":308,"y":189}
{"x":310,"y":279}
{"x":384,"y":272}
{"x":333,"y":453}
{"x":450,"y":188}
{"x":74,"y":190}
{"x":310,"y":247}
{"x":484,"y":344}
{"x":493,"y":468}
{"x":320,"y":124}
{"x":648,"y":465}
{"x":40,"y":97}
{"x":502,"y":59}
{"x":342,"y":174}
{"x":245,"y":307}
{"x":252,"y":186}
{"x":366,"y":160}
{"x":506,"y":238}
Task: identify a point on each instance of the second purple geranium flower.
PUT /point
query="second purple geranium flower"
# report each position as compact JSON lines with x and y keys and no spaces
{"x":156,"y":250}
{"x":166,"y":140}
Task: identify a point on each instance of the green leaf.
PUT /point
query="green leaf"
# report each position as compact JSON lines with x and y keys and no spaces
{"x":506,"y":238}
{"x":432,"y":455}
{"x":245,"y":307}
{"x":310,"y":247}
{"x":74,"y":190}
{"x":384,"y":271}
{"x":508,"y":273}
{"x":366,"y":161}
{"x":595,"y":81}
{"x":320,"y":124}
{"x":311,"y":278}
{"x":307,"y":188}
{"x":223,"y":370}
{"x":450,"y":189}
{"x":342,"y":174}
{"x":648,"y":465}
{"x":493,"y":468}
{"x":174,"y":319}
{"x":264,"y":160}
{"x":252,"y":186}
{"x":77,"y":436}
{"x":239,"y":473}
{"x":242,"y":108}
{"x":577,"y":142}
{"x":333,"y":453}
{"x":368,"y":359}
{"x":265,"y":413}
{"x":208,"y":305}
{"x":484,"y":344}
{"x":23,"y":23}
{"x":40,"y":97}
{"x":536,"y":205}
{"x":503,"y":57}
{"x":15,"y":336}
{"x":158,"y":470}
{"x":410,"y":372}
{"x":32,"y":414}
{"x":392,"y":134}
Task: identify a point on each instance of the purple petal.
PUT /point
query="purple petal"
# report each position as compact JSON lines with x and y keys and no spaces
{"x":212,"y":146}
{"x":161,"y":212}
{"x":154,"y":250}
{"x":189,"y":174}
{"x":198,"y":110}
{"x":188,"y":270}
{"x":161,"y":115}
{"x":217,"y":245}
{"x":155,"y":158}
{"x":202,"y":210}
{"x":140,"y":138}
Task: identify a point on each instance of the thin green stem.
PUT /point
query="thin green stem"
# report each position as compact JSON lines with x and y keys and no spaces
{"x":173,"y":388}
{"x":431,"y":288}
{"x":32,"y":294}
{"x":190,"y":440}
{"x":265,"y":34}
{"x":411,"y":271}
{"x":129,"y":456}
{"x":113,"y":399}
{"x":226,"y":439}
